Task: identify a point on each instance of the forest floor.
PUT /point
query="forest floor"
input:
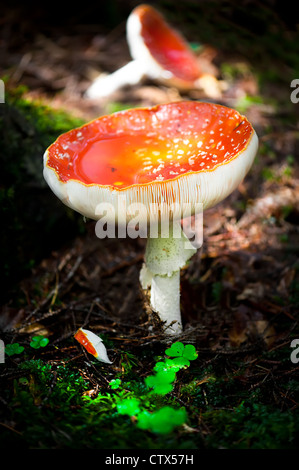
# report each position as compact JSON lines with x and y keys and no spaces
{"x":239,"y":293}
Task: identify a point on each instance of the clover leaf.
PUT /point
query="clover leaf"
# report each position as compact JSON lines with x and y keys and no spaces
{"x":144,"y":420}
{"x":39,"y":342}
{"x":115,"y":383}
{"x":168,"y":364}
{"x":161,"y":382}
{"x":176,"y":349}
{"x":128,"y":406}
{"x":190,"y":352}
{"x":13,"y":348}
{"x":162,"y":421}
{"x":183,"y":354}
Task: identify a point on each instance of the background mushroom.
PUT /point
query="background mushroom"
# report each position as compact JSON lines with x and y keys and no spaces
{"x":158,"y":160}
{"x":159,"y":52}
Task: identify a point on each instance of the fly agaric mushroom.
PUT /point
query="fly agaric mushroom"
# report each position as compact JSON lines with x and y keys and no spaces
{"x":159,"y":52}
{"x":162,"y":158}
{"x":93,"y":344}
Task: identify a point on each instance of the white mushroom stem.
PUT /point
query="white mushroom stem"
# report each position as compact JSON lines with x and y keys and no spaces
{"x":130,"y":74}
{"x":135,"y":71}
{"x":165,"y":300}
{"x":164,"y":257}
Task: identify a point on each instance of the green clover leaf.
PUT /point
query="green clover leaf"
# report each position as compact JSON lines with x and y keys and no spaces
{"x":183,"y":354}
{"x":166,"y":419}
{"x":161,"y":382}
{"x":115,"y":383}
{"x":190,"y":352}
{"x":181,"y":362}
{"x":23,"y":381}
{"x":128,"y":406}
{"x":176,"y":349}
{"x":162,"y":421}
{"x":39,"y":342}
{"x":144,"y":420}
{"x":13,"y":348}
{"x":168,"y":364}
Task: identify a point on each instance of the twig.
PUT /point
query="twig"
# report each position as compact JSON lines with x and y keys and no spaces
{"x":54,"y":292}
{"x":11,"y":429}
{"x":123,"y":264}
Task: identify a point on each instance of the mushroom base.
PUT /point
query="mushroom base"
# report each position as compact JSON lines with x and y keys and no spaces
{"x":130,"y":74}
{"x":164,"y":257}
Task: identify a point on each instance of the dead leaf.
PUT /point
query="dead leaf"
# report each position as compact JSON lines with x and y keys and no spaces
{"x":236,"y":337}
{"x":238,"y":333}
{"x":264,"y":330}
{"x":288,"y":275}
{"x":253,"y":290}
{"x":90,"y":393}
{"x":36,"y":328}
{"x":271,"y":204}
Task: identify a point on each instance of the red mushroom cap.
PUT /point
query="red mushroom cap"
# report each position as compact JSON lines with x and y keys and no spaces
{"x":175,"y":153}
{"x":147,"y":27}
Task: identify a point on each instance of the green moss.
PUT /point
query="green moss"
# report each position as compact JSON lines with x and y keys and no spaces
{"x":252,"y":426}
{"x":53,"y":406}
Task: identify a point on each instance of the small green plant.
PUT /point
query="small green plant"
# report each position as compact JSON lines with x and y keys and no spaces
{"x":39,"y":342}
{"x":128,"y":361}
{"x":289,"y":167}
{"x":161,"y":383}
{"x":268,"y":174}
{"x":183,"y":354}
{"x":168,"y":364}
{"x":165,"y":419}
{"x":115,"y":383}
{"x":245,"y":102}
{"x":14,"y":348}
{"x":162,"y":421}
{"x":128,"y":406}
